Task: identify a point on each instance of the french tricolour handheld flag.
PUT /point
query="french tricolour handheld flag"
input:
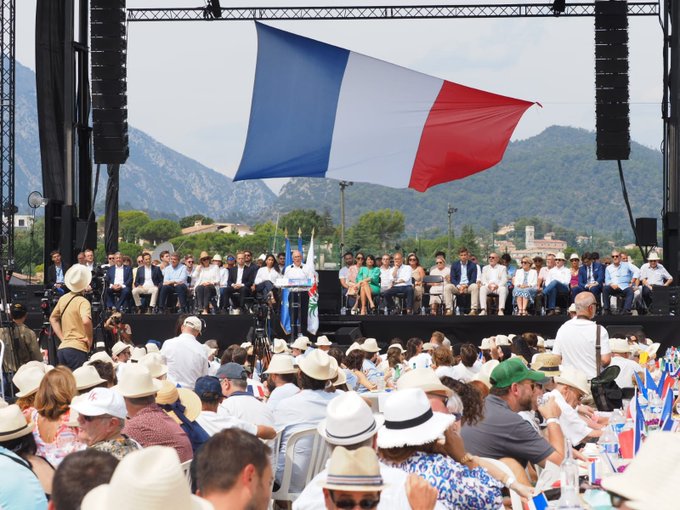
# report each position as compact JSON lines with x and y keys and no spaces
{"x":323,"y":111}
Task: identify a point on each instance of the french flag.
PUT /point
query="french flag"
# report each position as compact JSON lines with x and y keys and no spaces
{"x":323,"y":111}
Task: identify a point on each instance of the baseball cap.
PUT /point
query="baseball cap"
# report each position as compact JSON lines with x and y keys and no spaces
{"x":232,"y":371}
{"x":512,"y":371}
{"x":194,"y":323}
{"x":18,"y":310}
{"x":208,"y":385}
{"x":101,"y":401}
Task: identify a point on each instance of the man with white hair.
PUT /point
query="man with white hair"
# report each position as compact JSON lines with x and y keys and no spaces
{"x":186,"y":358}
{"x":652,"y":274}
{"x":299,"y":271}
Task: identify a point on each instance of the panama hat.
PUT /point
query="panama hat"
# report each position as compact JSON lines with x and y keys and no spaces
{"x":154,"y":362}
{"x":397,"y":346}
{"x":149,"y":479}
{"x":87,"y":377}
{"x":77,"y":278}
{"x":410,"y":421}
{"x":137,"y":354}
{"x":340,"y":379}
{"x":619,"y":345}
{"x":559,"y":256}
{"x":318,"y":365}
{"x":428,"y":346}
{"x":100,"y":356}
{"x":653,"y":256}
{"x":502,"y":340}
{"x":136,"y":381}
{"x":370,"y":345}
{"x":100,"y":401}
{"x":119,"y":347}
{"x":354,"y":471}
{"x":547,"y":363}
{"x":574,"y":256}
{"x":169,"y":394}
{"x":486,"y":344}
{"x":204,"y":255}
{"x":573,"y":377}
{"x":484,"y":374}
{"x":301,"y":342}
{"x":424,"y":379}
{"x":217,"y":257}
{"x":353,"y":347}
{"x":349,"y":420}
{"x":281,"y":364}
{"x":323,"y":341}
{"x":28,"y":381}
{"x":280,"y":346}
{"x":13,"y":423}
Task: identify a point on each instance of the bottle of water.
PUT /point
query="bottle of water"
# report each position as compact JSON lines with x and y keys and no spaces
{"x":617,"y":421}
{"x":386,"y":310}
{"x":569,"y":481}
{"x":654,"y":410}
{"x":422,"y":310}
{"x":343,"y":310}
{"x":609,"y":441}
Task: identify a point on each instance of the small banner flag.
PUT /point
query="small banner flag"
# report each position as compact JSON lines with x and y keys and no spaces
{"x":641,"y":386}
{"x":639,"y":425}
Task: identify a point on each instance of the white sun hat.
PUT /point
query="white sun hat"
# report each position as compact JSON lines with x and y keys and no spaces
{"x":280,"y":346}
{"x":353,"y":347}
{"x":28,"y":381}
{"x":323,"y":341}
{"x":119,"y":347}
{"x":349,"y":420}
{"x":155,"y":363}
{"x":100,"y":356}
{"x":13,"y":424}
{"x":87,"y":377}
{"x":137,"y":354}
{"x":318,"y":365}
{"x":370,"y":345}
{"x":136,"y":381}
{"x":281,"y":364}
{"x":301,"y":342}
{"x":484,"y":374}
{"x":424,"y":379}
{"x":570,"y":376}
{"x":77,"y":278}
{"x":410,"y":421}
{"x":354,"y":471}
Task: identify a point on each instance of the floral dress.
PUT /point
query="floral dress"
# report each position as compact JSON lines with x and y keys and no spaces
{"x":118,"y":447}
{"x":65,"y":440}
{"x":459,"y":487}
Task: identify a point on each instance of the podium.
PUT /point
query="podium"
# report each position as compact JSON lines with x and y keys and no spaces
{"x":296,"y":287}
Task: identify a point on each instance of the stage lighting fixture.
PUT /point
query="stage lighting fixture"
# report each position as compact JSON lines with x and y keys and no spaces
{"x":559,"y":6}
{"x":213,"y":9}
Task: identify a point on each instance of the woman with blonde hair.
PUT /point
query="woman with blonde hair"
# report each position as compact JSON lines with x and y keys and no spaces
{"x":526,"y":285}
{"x":54,"y":438}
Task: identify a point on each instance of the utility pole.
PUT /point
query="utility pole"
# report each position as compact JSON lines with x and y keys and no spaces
{"x":343,"y":185}
{"x":450,"y":211}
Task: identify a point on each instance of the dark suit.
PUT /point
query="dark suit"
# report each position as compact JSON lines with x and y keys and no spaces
{"x":124,"y":293}
{"x":51,"y":278}
{"x":456,"y":272}
{"x":156,"y":276}
{"x":598,"y":276}
{"x":140,"y":290}
{"x":247,"y":279}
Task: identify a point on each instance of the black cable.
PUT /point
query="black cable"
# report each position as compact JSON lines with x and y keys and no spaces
{"x":630,"y":211}
{"x":94,"y":201}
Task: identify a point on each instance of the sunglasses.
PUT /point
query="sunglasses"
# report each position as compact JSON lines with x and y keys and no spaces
{"x":526,"y":262}
{"x":89,"y":419}
{"x":615,"y":256}
{"x":348,"y":504}
{"x":440,"y":262}
{"x":360,"y":258}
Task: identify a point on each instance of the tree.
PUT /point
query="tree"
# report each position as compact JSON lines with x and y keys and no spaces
{"x":189,"y":221}
{"x":307,"y":220}
{"x":130,"y":223}
{"x":467,"y":239}
{"x":377,"y":230}
{"x":157,"y":231}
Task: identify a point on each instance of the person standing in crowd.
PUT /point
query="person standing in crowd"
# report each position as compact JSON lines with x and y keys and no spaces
{"x":71,"y":319}
{"x":26,"y":347}
{"x":186,"y":358}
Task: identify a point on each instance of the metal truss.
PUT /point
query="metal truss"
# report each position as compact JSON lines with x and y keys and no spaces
{"x":380,"y":12}
{"x":7,"y":108}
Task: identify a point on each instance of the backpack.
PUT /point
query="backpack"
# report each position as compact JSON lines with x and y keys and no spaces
{"x":606,"y":393}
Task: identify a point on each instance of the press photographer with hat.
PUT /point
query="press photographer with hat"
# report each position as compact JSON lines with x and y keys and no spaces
{"x":71,"y":319}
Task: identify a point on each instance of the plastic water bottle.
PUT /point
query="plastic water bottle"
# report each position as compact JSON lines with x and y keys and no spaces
{"x":569,"y":481}
{"x":343,"y":310}
{"x":609,"y":441}
{"x":654,"y":410}
{"x":397,"y":373}
{"x":617,"y":421}
{"x":422,"y":310}
{"x":386,"y":311}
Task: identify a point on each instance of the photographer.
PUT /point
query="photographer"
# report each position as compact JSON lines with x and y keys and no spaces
{"x":120,"y":331}
{"x":27,"y":348}
{"x":71,"y":319}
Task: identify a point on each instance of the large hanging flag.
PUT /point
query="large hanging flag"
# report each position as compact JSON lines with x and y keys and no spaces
{"x":313,"y":307}
{"x":323,"y":111}
{"x":285,"y":310}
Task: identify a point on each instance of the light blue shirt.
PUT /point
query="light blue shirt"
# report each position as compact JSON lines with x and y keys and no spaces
{"x":372,"y":374}
{"x":19,"y":487}
{"x":463,"y":274}
{"x":175,"y":274}
{"x":621,"y":276}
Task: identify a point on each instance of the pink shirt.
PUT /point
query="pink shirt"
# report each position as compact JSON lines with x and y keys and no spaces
{"x":152,"y":426}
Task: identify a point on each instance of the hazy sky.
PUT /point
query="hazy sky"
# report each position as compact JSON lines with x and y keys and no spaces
{"x":190,"y":83}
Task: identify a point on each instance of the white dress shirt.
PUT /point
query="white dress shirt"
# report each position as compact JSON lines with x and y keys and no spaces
{"x":403,"y":276}
{"x":201,"y":275}
{"x":385,"y":278}
{"x":561,"y":274}
{"x":213,"y":423}
{"x":494,"y":274}
{"x":294,"y":272}
{"x":572,"y":425}
{"x":148,"y":280}
{"x":281,"y":393}
{"x":267,"y":274}
{"x":119,"y":276}
{"x":186,"y":358}
{"x":246,"y":407}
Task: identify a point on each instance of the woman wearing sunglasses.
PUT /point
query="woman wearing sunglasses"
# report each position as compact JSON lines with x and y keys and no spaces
{"x":526,"y":285}
{"x":369,"y":284}
{"x":418,"y":273}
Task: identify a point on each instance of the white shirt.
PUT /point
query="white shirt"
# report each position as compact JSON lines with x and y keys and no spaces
{"x":119,"y":278}
{"x":403,"y":276}
{"x":575,"y":342}
{"x":462,"y":373}
{"x":148,"y":280}
{"x":561,"y":274}
{"x":628,"y":368}
{"x":294,"y":272}
{"x":385,"y":277}
{"x":246,"y":407}
{"x":463,"y":273}
{"x":186,"y":358}
{"x":210,"y":274}
{"x":654,"y":276}
{"x":213,"y":423}
{"x":280,"y":393}
{"x":267,"y":274}
{"x":445,"y":371}
{"x":573,"y":427}
{"x":497,"y":274}
{"x":422,"y":360}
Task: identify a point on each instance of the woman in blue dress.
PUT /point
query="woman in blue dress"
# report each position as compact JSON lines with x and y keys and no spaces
{"x":525,"y":285}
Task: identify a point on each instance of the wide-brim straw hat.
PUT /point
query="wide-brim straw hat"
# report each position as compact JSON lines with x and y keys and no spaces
{"x":484,"y":374}
{"x":502,"y":340}
{"x":87,"y":377}
{"x":547,"y":363}
{"x":151,"y":347}
{"x":653,"y":256}
{"x":280,"y":346}
{"x":148,"y":479}
{"x":100,"y":356}
{"x":349,"y":420}
{"x":573,"y":377}
{"x":486,"y":344}
{"x":370,"y":345}
{"x":619,"y":346}
{"x":217,"y":257}
{"x":136,"y":382}
{"x":137,"y":354}
{"x":318,"y":365}
{"x":396,"y":346}
{"x":119,"y":347}
{"x":154,"y":363}
{"x":13,"y":424}
{"x":77,"y":278}
{"x":353,"y":347}
{"x":424,"y":379}
{"x":354,"y":471}
{"x":301,"y":342}
{"x":323,"y":341}
{"x":281,"y":364}
{"x":169,"y":394}
{"x":28,"y":381}
{"x":341,"y":379}
{"x":203,"y":255}
{"x":410,"y":421}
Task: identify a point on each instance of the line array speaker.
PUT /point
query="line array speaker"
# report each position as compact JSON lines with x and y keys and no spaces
{"x":645,"y":228}
{"x":108,"y":53}
{"x":612,"y":107}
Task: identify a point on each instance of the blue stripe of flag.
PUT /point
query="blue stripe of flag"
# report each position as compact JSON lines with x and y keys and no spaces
{"x":285,"y":311}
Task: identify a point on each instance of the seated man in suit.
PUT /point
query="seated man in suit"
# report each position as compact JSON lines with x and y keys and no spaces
{"x":147,"y":281}
{"x":620,"y":279}
{"x":174,"y":283}
{"x":55,"y":274}
{"x":118,"y":283}
{"x":494,"y":282}
{"x":590,"y":278}
{"x":465,"y":279}
{"x":241,"y":279}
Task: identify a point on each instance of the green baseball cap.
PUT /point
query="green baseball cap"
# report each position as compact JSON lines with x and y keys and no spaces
{"x":511,"y":371}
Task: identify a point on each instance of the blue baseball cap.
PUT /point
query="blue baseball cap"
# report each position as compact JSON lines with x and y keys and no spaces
{"x":207,"y":385}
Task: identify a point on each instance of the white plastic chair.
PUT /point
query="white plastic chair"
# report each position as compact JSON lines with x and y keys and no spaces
{"x":2,"y":360}
{"x":515,"y":498}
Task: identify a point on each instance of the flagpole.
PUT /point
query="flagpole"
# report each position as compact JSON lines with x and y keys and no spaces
{"x":276,"y":230}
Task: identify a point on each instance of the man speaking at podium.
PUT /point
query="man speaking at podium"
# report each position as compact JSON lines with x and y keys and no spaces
{"x":298,"y":271}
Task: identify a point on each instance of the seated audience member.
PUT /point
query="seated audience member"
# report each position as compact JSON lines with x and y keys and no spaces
{"x":305,"y":409}
{"x":468,"y":400}
{"x":525,"y":284}
{"x":590,"y":278}
{"x":350,"y":423}
{"x":347,"y":277}
{"x":494,"y":282}
{"x":415,"y":357}
{"x":652,"y":274}
{"x":239,"y":403}
{"x":281,"y":379}
{"x":183,"y":406}
{"x":118,"y":284}
{"x":425,"y":379}
{"x":147,"y":281}
{"x":79,"y":474}
{"x":503,"y":433}
{"x":239,"y":284}
{"x":466,"y":369}
{"x":323,"y":343}
{"x":150,"y":478}
{"x":620,"y":278}
{"x":147,"y":423}
{"x":418,"y":273}
{"x":28,"y":348}
{"x":441,"y":291}
{"x":442,"y":362}
{"x":465,"y":279}
{"x":408,"y":441}
{"x":174,"y":284}
{"x":354,"y":362}
{"x":371,"y":360}
{"x":209,"y":391}
{"x":233,"y":472}
{"x":385,"y":273}
{"x":368,"y":280}
{"x":205,"y":279}
{"x":55,"y":274}
{"x":621,"y":353}
{"x":27,"y":380}
{"x":559,"y":277}
{"x":265,"y":280}
{"x":101,"y":418}
{"x":16,"y":436}
{"x":401,"y":283}
{"x":186,"y":358}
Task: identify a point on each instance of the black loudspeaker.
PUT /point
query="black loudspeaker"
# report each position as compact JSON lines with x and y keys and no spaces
{"x":27,"y":295}
{"x":347,"y":335}
{"x":665,"y":301}
{"x":109,"y":87}
{"x":611,"y":80}
{"x":645,"y":229}
{"x":86,"y":235}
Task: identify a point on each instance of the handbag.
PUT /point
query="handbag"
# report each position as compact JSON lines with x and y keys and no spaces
{"x":606,"y":393}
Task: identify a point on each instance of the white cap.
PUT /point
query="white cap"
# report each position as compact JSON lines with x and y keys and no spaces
{"x":194,"y":323}
{"x":101,"y":401}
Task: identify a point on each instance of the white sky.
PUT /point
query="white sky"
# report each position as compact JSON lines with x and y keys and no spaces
{"x":190,"y":83}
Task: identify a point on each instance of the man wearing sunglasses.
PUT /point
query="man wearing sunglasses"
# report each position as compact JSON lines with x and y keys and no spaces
{"x":620,"y":279}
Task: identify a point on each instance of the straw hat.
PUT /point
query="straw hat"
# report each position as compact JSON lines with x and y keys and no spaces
{"x":203,"y":255}
{"x":151,"y":347}
{"x":28,"y":381}
{"x":34,"y":364}
{"x":136,"y":381}
{"x":149,"y":479}
{"x":100,"y":401}
{"x":323,"y":341}
{"x":574,"y":256}
{"x":100,"y":356}
{"x":119,"y":347}
{"x":424,"y":379}
{"x":573,"y":377}
{"x":484,"y":374}
{"x":281,"y":364}
{"x":280,"y":346}
{"x":547,"y":363}
{"x":77,"y":278}
{"x":354,"y":471}
{"x":13,"y":424}
{"x":169,"y":394}
{"x":619,"y":345}
{"x":349,"y":420}
{"x":559,"y":256}
{"x":137,"y":354}
{"x":428,"y":346}
{"x":653,"y":256}
{"x":502,"y":340}
{"x":301,"y":342}
{"x":341,"y":379}
{"x":217,"y":257}
{"x":154,"y":362}
{"x":486,"y":344}
{"x":87,"y":377}
{"x":409,"y":420}
{"x":396,"y":346}
{"x":318,"y":366}
{"x":370,"y":345}
{"x":353,"y":347}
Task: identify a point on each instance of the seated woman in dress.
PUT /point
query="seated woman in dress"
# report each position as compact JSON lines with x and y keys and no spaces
{"x":265,"y":279}
{"x":417,"y":273}
{"x":205,"y":279}
{"x":352,"y":282}
{"x":369,"y":284}
{"x":525,"y":285}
